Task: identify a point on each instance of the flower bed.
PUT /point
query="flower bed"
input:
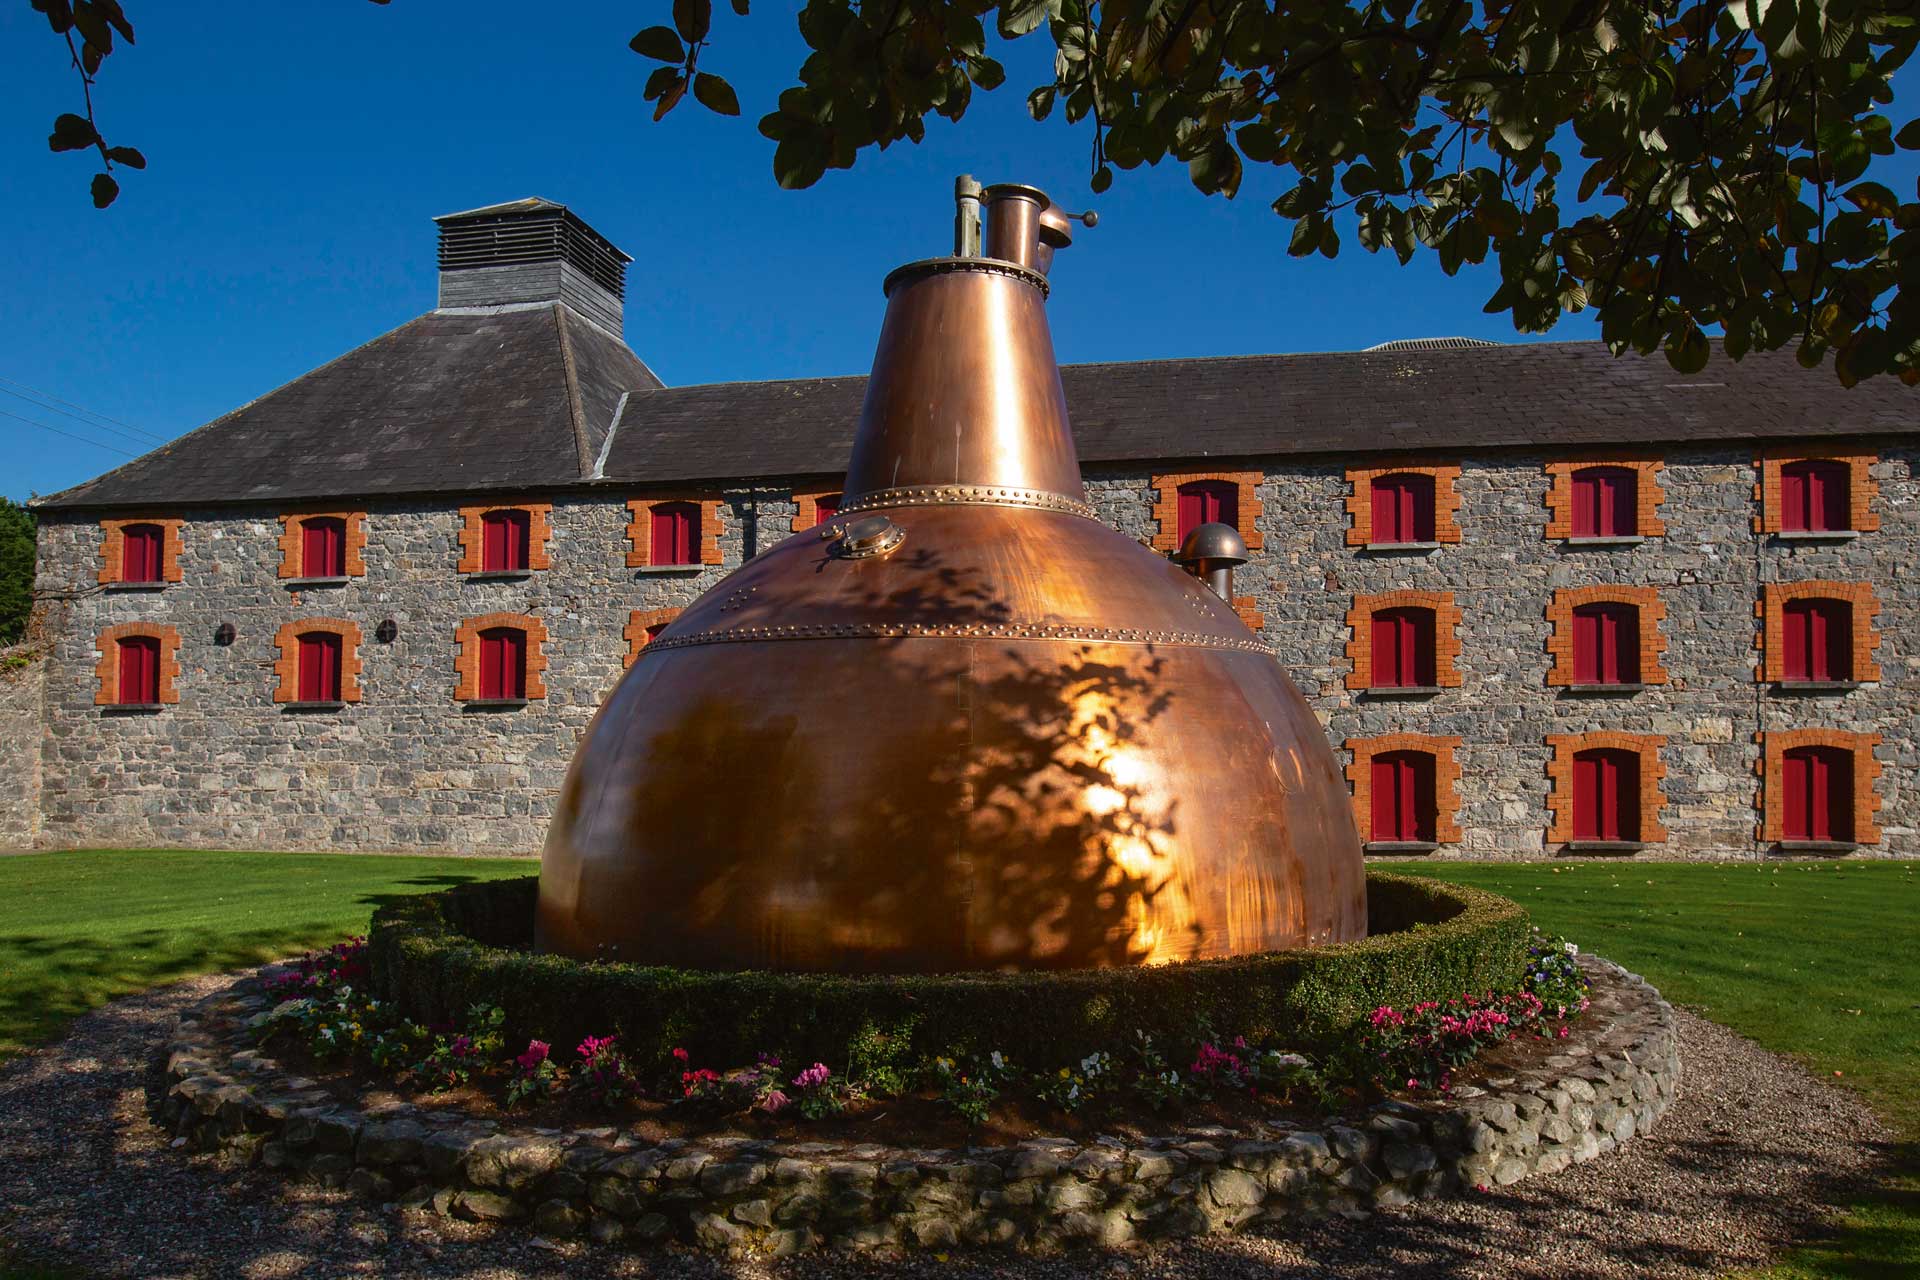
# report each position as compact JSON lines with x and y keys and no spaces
{"x":1564,"y":1101}
{"x":436,"y":956}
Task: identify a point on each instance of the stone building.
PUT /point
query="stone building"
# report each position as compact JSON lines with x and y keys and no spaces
{"x":1544,"y":600}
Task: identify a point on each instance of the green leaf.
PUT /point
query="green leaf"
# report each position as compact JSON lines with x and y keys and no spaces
{"x":1102,"y":179}
{"x":1909,"y":135}
{"x":72,"y":133}
{"x":1018,"y":17}
{"x":105,"y":190}
{"x":740,"y":7}
{"x":692,"y":18}
{"x":59,"y":14}
{"x":127,"y":156}
{"x":715,"y":94}
{"x":1874,"y":199}
{"x":986,"y":73}
{"x":799,"y":161}
{"x":660,"y":43}
{"x":1040,"y":102}
{"x":660,"y":81}
{"x":1689,"y":351}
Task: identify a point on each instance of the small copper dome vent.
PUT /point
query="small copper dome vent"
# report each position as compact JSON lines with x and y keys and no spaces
{"x":964,"y":725}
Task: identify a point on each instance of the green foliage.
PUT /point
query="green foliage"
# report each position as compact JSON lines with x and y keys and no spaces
{"x":436,"y":954}
{"x":1723,"y":150}
{"x":881,"y":1062}
{"x":17,"y":528}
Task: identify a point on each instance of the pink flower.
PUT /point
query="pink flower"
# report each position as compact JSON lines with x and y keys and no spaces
{"x":813,"y":1077}
{"x":535,"y":1055}
{"x":774,"y":1100}
{"x":680,"y":1054}
{"x":1565,"y":1032}
{"x":593,"y":1046}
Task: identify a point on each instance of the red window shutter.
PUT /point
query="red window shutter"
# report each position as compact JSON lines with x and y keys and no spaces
{"x":503,"y":663}
{"x":653,"y":632}
{"x":139,"y":670}
{"x":1796,"y":785}
{"x":1207,"y":502}
{"x":826,"y":507}
{"x":1586,"y":646}
{"x":1796,"y":634}
{"x":1387,"y":657}
{"x":674,"y":528}
{"x":1793,"y":497}
{"x":1606,"y":795}
{"x":323,"y":549}
{"x":505,"y":538}
{"x":319,"y":667}
{"x":1586,"y":504}
{"x":140,"y":553}
{"x":1386,"y":798}
{"x":1605,"y":501}
{"x":1387,"y":524}
{"x":1403,"y":807}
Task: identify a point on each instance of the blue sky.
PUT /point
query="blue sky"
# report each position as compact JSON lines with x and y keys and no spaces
{"x":298,"y":152}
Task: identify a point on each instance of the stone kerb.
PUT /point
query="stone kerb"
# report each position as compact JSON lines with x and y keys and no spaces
{"x":1611,"y":1080}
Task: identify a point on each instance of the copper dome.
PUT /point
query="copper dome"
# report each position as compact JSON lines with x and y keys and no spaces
{"x":965,"y":724}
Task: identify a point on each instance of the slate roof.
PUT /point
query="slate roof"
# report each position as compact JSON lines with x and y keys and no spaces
{"x":523,"y":399}
{"x":512,"y":398}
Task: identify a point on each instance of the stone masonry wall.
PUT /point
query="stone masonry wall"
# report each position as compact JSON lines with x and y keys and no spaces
{"x":21,"y":692}
{"x":409,"y":768}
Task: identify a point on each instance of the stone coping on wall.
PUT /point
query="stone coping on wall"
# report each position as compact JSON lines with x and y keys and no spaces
{"x":1610,"y":1080}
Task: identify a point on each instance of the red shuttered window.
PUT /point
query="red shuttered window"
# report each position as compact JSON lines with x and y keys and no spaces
{"x":826,"y":507}
{"x":1208,"y":502}
{"x":1402,"y":648}
{"x":504,"y":538}
{"x":1403,"y":807}
{"x":1818,"y":782}
{"x":1605,"y":500}
{"x":139,"y":672}
{"x":1606,"y":795}
{"x":503,"y":663}
{"x":1606,"y":644}
{"x":1403,"y":509}
{"x":676,"y":530}
{"x":1818,"y":639}
{"x":1813,"y":497}
{"x":323,"y":548}
{"x":140,"y":553}
{"x":319,"y":667}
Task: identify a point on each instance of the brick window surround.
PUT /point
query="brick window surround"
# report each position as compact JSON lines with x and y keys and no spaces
{"x":467,"y":661}
{"x":287,"y":669}
{"x":640,"y":529}
{"x":107,"y":670}
{"x":111,"y":546}
{"x":1166,"y":506}
{"x":1446,"y":500}
{"x":1646,"y":603}
{"x":806,"y":503}
{"x":1446,"y":779}
{"x":473,"y":536}
{"x":293,"y":542}
{"x":1248,"y":607}
{"x":639,"y":623}
{"x":1772,"y":802}
{"x":1862,"y":488}
{"x":1565,"y":746}
{"x":1648,"y":495}
{"x":1771,"y":641}
{"x":1446,"y":633}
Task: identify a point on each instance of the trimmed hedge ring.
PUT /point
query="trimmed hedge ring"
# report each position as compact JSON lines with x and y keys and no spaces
{"x":436,"y":954}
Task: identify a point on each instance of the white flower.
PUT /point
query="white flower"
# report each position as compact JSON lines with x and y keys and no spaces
{"x":999,"y":1063}
{"x":1572,"y":950}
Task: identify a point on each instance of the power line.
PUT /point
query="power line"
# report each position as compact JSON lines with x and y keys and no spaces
{"x":88,"y":422}
{"x":92,"y":413}
{"x":69,"y":435}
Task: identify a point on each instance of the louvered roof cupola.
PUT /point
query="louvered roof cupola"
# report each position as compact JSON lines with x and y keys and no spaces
{"x":530,"y":251}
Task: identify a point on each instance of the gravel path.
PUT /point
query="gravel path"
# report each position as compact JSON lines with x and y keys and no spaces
{"x":1738,"y":1168}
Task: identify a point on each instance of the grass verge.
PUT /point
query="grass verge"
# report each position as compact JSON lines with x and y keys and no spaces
{"x":1818,"y":961}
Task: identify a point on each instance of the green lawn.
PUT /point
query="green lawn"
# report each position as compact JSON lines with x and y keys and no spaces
{"x":1817,"y":960}
{"x":79,"y":929}
{"x":1820,"y":961}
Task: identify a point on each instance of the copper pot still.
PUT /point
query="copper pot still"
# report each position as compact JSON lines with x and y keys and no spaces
{"x":965,"y":725}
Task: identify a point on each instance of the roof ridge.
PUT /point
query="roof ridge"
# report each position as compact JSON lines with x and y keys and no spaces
{"x":576,"y":408}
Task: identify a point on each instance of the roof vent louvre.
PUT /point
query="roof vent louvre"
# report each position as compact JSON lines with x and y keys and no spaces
{"x":530,"y":251}
{"x":1431,"y":344}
